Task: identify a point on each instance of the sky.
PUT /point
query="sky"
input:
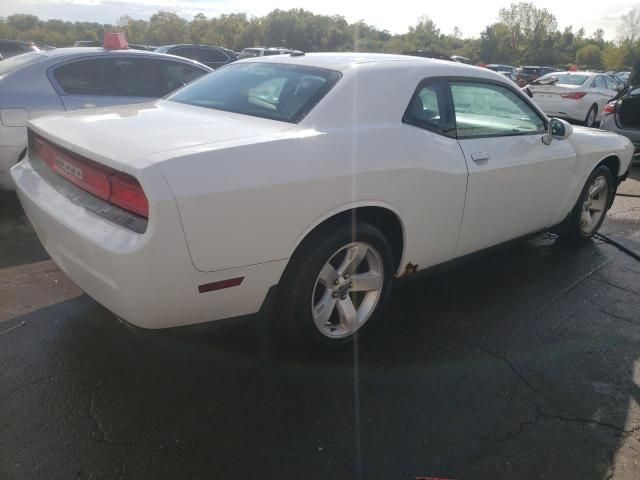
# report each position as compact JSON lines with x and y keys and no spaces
{"x":471,"y":16}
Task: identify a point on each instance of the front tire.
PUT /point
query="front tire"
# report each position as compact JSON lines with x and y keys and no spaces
{"x":594,"y":201}
{"x":335,"y":285}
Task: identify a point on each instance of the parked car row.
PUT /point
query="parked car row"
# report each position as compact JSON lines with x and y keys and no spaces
{"x":575,"y":96}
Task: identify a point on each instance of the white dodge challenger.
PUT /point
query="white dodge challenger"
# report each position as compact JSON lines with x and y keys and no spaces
{"x":324,"y":175}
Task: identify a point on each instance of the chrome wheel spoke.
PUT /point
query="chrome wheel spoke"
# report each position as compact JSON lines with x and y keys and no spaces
{"x":366,"y":282}
{"x":355,"y":256}
{"x":597,"y":187}
{"x":328,"y":275}
{"x":348,"y":314}
{"x":323,"y":309}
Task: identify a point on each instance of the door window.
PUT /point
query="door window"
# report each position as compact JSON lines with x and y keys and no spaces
{"x":188,"y":52}
{"x":611,"y":84}
{"x":211,"y":55}
{"x":115,"y":77}
{"x":428,"y":109}
{"x":486,"y":109}
{"x":599,"y":83}
{"x":176,"y":75}
{"x":84,"y":77}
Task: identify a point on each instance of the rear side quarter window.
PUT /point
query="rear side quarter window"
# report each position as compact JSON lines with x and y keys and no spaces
{"x":430,"y":108}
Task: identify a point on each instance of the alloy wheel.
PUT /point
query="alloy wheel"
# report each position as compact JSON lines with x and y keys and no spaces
{"x":347,"y":290}
{"x":594,"y":205}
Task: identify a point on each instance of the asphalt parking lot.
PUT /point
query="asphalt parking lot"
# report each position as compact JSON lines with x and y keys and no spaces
{"x":521,"y":364}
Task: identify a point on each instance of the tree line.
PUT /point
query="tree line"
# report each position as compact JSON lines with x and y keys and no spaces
{"x":522,"y":34}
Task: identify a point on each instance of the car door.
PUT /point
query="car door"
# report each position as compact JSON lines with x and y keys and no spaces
{"x":517,"y":184}
{"x":108,"y":81}
{"x":602,"y":92}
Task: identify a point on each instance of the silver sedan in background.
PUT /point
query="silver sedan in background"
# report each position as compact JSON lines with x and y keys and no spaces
{"x":39,"y":83}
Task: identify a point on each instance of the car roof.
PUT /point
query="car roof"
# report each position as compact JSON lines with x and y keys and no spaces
{"x":192,"y":45}
{"x":72,"y":52}
{"x":22,"y":42}
{"x":339,"y":61}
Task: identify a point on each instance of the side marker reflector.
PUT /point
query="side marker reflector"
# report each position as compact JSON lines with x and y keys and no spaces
{"x":210,"y":287}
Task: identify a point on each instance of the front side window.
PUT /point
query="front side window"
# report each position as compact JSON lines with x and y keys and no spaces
{"x":275,"y":91}
{"x":427,"y":109}
{"x":486,"y":109}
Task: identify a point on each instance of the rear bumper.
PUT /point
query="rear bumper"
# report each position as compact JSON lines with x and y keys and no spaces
{"x":146,"y":279}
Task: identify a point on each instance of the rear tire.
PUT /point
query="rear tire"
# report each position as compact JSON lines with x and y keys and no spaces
{"x":335,"y":286}
{"x":592,"y":205}
{"x":592,"y":114}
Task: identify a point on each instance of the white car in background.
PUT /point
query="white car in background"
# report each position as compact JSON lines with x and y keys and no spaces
{"x":311,"y":179}
{"x":575,"y":96}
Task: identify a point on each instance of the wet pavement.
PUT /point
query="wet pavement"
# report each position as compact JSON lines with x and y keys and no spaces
{"x":521,"y":364}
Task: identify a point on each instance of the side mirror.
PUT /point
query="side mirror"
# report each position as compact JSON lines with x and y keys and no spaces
{"x":558,"y":130}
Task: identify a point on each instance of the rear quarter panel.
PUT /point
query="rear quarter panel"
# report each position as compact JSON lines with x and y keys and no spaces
{"x":254,"y":203}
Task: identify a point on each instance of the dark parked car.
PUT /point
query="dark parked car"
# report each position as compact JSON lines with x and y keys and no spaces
{"x":526,"y":75}
{"x":214,"y":57}
{"x":252,"y":52}
{"x":506,"y":70}
{"x":11,"y":48}
{"x":622,"y":115}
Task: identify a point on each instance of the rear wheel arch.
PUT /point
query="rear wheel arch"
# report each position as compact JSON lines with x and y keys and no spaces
{"x":385,"y":219}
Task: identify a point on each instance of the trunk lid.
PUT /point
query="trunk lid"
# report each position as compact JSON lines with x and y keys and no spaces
{"x":552,"y":93}
{"x":126,"y":137}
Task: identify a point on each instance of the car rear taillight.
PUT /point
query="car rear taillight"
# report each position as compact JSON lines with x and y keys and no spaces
{"x":105,"y":183}
{"x":127,"y":193}
{"x":573,"y":95}
{"x":610,"y":108}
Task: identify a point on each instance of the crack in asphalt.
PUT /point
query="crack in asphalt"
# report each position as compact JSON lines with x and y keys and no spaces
{"x":601,"y":279}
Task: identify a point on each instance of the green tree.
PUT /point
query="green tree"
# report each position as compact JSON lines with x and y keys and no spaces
{"x":589,"y":56}
{"x":166,"y":28}
{"x":613,"y":58}
{"x":496,"y":44}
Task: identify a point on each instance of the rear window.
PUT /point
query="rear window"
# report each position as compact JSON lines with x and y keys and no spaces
{"x":278,"y":92}
{"x":563,"y":79}
{"x":18,"y":61}
{"x":531,"y":70}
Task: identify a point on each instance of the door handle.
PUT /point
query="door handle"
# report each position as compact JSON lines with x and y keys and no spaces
{"x":479,"y":156}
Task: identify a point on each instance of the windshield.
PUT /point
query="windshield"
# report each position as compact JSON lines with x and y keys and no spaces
{"x":18,"y":61}
{"x":278,"y":92}
{"x":562,"y":79}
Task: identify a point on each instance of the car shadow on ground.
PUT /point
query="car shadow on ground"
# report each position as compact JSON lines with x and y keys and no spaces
{"x":518,"y":365}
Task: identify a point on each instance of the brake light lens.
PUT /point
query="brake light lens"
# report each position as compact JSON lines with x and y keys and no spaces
{"x":127,"y":193}
{"x":573,"y":95}
{"x":105,"y":183}
{"x":610,"y":108}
